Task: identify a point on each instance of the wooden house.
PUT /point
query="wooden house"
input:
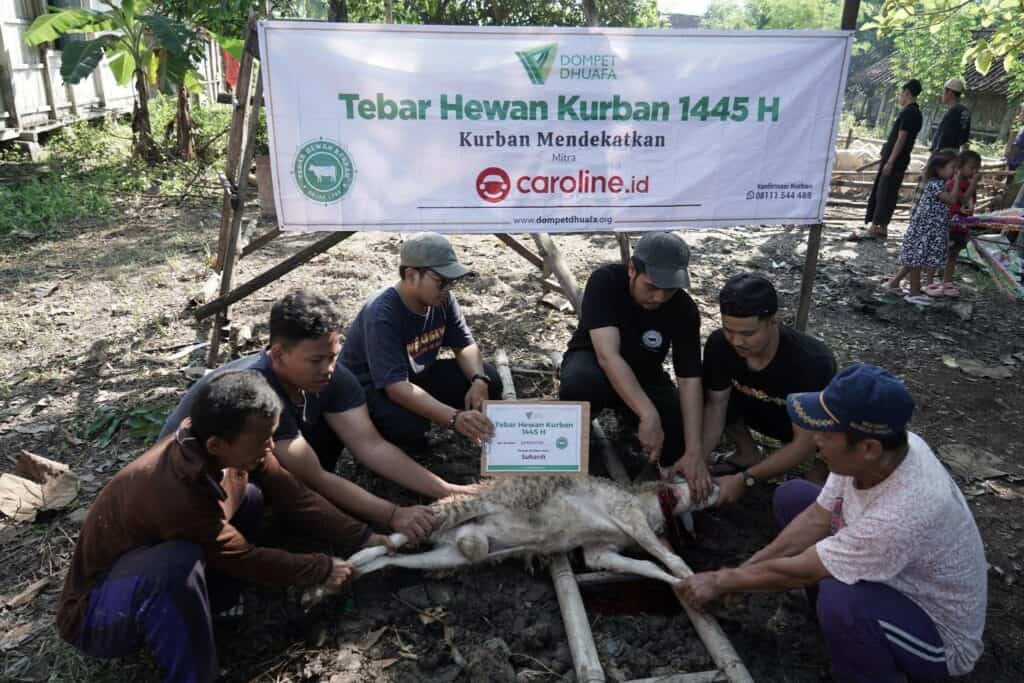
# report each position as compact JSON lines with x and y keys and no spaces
{"x":33,"y":96}
{"x":992,"y":113}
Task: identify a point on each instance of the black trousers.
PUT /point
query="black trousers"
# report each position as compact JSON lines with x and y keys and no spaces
{"x":444,"y":381}
{"x":885,"y":194}
{"x":582,"y":379}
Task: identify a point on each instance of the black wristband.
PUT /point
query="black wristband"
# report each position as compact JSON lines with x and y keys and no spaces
{"x":452,"y":419}
{"x":485,"y":378}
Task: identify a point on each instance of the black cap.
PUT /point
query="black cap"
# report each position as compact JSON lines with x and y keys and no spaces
{"x":665,"y":257}
{"x":748,"y":295}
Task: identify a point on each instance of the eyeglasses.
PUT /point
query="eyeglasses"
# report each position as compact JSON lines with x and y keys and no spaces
{"x":442,"y":281}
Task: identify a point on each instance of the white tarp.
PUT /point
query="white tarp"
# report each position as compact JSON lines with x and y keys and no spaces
{"x":458,"y":129}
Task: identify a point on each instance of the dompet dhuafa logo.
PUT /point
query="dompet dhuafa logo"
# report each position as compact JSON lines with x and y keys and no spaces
{"x":323,"y":171}
{"x":538,"y":62}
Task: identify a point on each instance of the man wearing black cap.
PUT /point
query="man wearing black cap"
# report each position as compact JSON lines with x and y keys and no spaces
{"x":392,"y":349}
{"x":750,"y":365}
{"x":888,"y":549}
{"x":631,"y":315}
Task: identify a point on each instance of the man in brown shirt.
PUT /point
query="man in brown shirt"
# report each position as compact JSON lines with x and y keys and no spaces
{"x":164,"y":544}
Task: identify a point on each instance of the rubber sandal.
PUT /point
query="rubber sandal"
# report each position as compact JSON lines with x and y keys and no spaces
{"x":864,"y":236}
{"x":951,"y":290}
{"x":919,"y":299}
{"x":936,"y":290}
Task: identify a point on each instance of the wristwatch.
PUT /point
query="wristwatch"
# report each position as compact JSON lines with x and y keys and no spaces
{"x":453,"y":419}
{"x":485,"y":378}
{"x":749,"y":480}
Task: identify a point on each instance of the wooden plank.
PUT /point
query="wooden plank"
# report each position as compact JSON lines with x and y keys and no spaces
{"x":270,"y":275}
{"x":508,"y":385}
{"x":235,"y":140}
{"x":807,"y":279}
{"x":235,"y":227}
{"x":261,"y":241}
{"x":518,"y":247}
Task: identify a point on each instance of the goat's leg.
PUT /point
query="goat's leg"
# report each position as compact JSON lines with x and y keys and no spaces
{"x":440,"y":557}
{"x":637,"y":527}
{"x":608,"y":558}
{"x":367,"y":555}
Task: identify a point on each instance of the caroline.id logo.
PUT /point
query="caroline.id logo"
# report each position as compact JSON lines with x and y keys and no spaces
{"x":538,"y":62}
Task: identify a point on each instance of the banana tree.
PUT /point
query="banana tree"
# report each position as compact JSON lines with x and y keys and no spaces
{"x":138,"y":45}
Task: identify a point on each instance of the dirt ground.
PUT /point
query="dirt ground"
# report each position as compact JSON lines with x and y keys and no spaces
{"x":94,"y":315}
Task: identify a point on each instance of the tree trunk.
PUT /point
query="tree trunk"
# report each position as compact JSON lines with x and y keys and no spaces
{"x":145,"y":146}
{"x":183,"y":125}
{"x":337,"y":10}
{"x":590,"y":12}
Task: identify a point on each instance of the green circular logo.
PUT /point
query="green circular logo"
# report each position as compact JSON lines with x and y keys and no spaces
{"x":323,"y":171}
{"x":561,"y":443}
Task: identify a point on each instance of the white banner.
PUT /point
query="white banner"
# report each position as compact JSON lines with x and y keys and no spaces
{"x":457,"y":129}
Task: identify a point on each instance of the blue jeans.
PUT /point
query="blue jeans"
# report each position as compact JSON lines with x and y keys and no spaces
{"x":875,"y":634}
{"x":161,"y":596}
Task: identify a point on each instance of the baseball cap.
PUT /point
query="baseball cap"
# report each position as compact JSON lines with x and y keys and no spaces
{"x":747,"y":295}
{"x":955,"y":84}
{"x":862,"y":397}
{"x":665,"y":257}
{"x":434,"y":251}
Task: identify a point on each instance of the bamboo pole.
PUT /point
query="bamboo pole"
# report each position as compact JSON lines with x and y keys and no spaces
{"x":711,"y":634}
{"x":570,"y":602}
{"x":554,"y":263}
{"x":508,"y":386}
{"x":699,"y":677}
{"x":577,"y":626}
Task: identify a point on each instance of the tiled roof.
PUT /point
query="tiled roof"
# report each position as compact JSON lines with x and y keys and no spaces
{"x":992,"y":83}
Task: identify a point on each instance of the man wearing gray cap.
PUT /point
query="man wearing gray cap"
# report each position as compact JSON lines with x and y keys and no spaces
{"x":392,"y":349}
{"x":955,"y":127}
{"x":631,"y":314}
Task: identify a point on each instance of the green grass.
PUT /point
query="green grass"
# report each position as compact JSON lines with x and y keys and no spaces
{"x":90,"y":166}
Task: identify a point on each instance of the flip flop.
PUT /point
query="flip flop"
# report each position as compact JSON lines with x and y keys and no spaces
{"x":951,"y":290}
{"x":865,"y":236}
{"x":937,"y":290}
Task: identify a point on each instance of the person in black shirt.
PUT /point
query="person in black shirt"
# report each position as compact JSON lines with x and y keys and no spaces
{"x":324,"y":410}
{"x":750,"y":365}
{"x":955,"y":128}
{"x":631,"y":315}
{"x":895,"y":159}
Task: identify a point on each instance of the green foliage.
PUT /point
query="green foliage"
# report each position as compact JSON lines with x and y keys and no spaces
{"x":932,"y":56}
{"x":1004,"y":38}
{"x":92,"y":170}
{"x":773,"y":14}
{"x":142,"y":422}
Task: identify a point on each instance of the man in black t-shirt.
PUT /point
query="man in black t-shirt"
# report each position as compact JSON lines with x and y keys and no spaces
{"x":895,"y":158}
{"x":955,"y":128}
{"x":750,"y":365}
{"x":392,"y":349}
{"x":631,"y":315}
{"x":324,"y":410}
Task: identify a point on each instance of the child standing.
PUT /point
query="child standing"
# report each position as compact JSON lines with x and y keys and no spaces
{"x":968,"y":167}
{"x":926,"y":241}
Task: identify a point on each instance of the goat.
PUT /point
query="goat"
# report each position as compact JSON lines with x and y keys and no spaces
{"x":540,"y":516}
